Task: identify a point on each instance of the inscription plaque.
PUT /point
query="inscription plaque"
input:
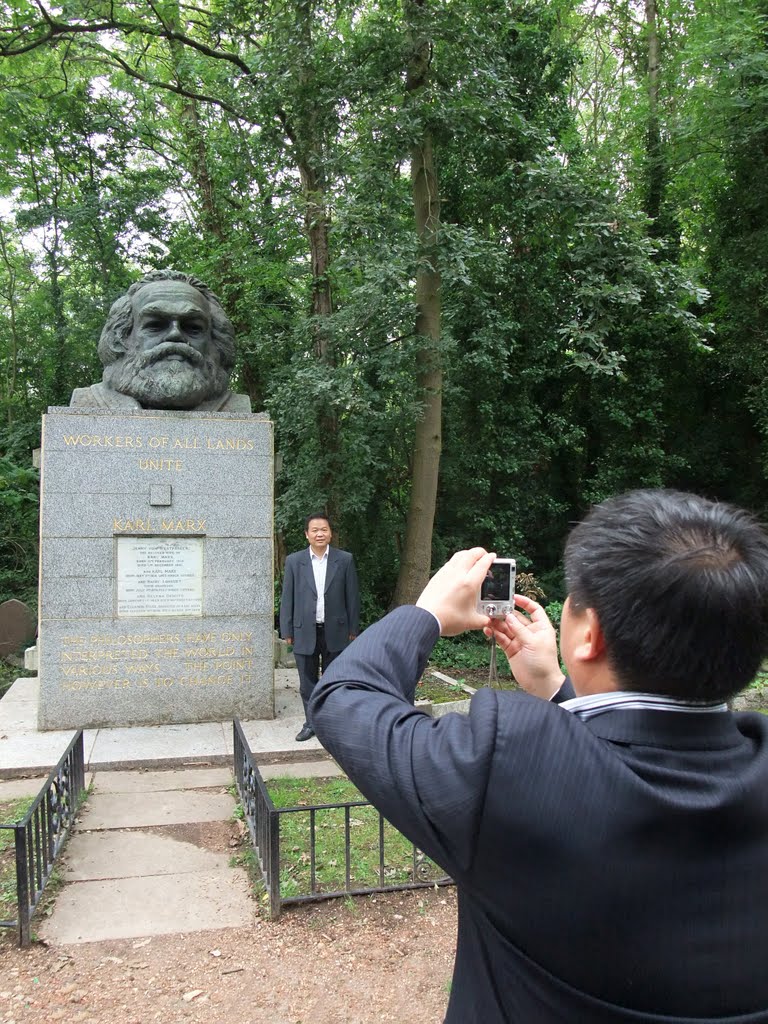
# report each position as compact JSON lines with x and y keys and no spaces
{"x":159,"y":576}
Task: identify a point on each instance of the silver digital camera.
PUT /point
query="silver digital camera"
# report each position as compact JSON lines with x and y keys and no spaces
{"x":497,"y":593}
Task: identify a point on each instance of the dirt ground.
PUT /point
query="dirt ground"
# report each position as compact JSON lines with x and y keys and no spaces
{"x":364,"y":961}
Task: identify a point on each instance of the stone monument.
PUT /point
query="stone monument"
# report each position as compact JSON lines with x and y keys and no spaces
{"x":156,"y":566}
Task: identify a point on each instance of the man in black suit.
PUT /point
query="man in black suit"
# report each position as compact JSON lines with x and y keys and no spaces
{"x":319,"y":606}
{"x":608,"y":831}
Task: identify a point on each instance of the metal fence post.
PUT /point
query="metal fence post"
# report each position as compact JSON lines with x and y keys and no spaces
{"x":275,"y":904}
{"x":22,"y":883}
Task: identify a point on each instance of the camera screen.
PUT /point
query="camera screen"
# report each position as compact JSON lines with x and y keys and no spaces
{"x":496,"y":585}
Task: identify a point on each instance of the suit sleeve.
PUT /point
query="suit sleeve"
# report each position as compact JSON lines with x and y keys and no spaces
{"x":286,"y":601}
{"x":566,"y":692}
{"x":352,"y":597}
{"x":427,"y":776}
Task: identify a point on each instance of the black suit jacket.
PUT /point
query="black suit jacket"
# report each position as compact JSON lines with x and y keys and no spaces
{"x":298,"y":601}
{"x":608,"y":870}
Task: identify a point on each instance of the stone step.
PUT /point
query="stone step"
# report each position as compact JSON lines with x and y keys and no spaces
{"x":164,"y":780}
{"x":125,"y":908}
{"x":95,"y":856}
{"x":123,"y":880}
{"x":143,"y":809}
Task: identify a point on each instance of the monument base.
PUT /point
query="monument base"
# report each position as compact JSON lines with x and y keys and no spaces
{"x":156,"y":578}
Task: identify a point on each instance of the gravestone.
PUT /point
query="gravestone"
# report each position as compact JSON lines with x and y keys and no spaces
{"x":156,"y":566}
{"x":18,"y":626}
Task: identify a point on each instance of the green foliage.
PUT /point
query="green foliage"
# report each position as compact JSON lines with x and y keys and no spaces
{"x":438,"y":692}
{"x":470,"y":651}
{"x":554,"y":610}
{"x":18,"y":527}
{"x":585,"y":349}
{"x":11,"y":811}
{"x":9,"y":673}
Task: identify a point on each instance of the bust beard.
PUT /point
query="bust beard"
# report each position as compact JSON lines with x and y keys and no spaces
{"x":158,"y":382}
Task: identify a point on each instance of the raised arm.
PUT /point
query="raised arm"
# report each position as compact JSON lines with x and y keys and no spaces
{"x":427,"y":776}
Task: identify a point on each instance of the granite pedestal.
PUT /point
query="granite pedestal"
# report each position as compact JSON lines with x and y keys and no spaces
{"x":156,"y":571}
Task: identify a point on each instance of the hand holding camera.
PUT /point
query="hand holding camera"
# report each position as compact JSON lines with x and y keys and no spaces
{"x":530,"y":644}
{"x":452,"y":593}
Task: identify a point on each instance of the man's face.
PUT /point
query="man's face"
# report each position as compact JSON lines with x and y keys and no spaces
{"x":171,"y":314}
{"x":318,"y":533}
{"x":170,"y":360}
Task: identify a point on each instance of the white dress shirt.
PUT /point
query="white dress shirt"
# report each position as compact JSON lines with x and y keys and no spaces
{"x":319,"y":568}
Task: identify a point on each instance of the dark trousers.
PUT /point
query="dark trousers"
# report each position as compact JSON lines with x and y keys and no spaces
{"x":310,"y":666}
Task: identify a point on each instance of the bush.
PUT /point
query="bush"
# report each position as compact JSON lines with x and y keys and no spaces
{"x":461,"y":652}
{"x":19,"y":490}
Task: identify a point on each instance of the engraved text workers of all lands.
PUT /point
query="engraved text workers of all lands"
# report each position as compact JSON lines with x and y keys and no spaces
{"x":159,"y":452}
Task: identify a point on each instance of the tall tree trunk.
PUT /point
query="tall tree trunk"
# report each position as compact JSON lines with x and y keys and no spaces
{"x":193,"y":135}
{"x":317,"y":226}
{"x":655,"y":169}
{"x":307,"y":135}
{"x":425,"y":464}
{"x":12,"y":361}
{"x":61,"y":386}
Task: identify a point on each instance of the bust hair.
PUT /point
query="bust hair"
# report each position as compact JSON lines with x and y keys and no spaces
{"x":316,"y":515}
{"x":113,"y":342}
{"x":680,"y":587}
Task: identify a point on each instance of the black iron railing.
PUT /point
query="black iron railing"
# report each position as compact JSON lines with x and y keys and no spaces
{"x":269,"y":829}
{"x":40,"y":834}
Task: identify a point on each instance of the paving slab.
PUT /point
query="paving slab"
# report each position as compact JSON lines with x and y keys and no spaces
{"x":23,"y":749}
{"x":327,"y":769}
{"x":144,"y":810}
{"x":154,"y":745}
{"x":11,"y":789}
{"x":23,"y":691}
{"x":143,"y":781}
{"x":92,"y":856}
{"x":278,"y":736}
{"x":127,"y":908}
{"x":25,"y":754}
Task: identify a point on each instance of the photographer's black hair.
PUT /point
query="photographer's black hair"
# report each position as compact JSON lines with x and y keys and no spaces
{"x":316,"y":515}
{"x":680,"y":587}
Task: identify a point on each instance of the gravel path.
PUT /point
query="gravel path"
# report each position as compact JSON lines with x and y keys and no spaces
{"x":385,"y":958}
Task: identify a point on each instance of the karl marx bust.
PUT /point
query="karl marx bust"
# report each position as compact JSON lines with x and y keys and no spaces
{"x":167,"y":344}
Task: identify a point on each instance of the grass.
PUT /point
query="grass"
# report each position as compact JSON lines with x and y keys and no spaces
{"x":330,"y":860}
{"x":439,"y":692}
{"x":11,"y":811}
{"x":476,"y":678}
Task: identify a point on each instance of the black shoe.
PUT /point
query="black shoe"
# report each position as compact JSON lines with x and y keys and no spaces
{"x":305,"y":734}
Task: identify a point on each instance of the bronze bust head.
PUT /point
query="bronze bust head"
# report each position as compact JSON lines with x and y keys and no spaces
{"x":167,"y":344}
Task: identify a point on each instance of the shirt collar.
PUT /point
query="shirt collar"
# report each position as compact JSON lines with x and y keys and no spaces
{"x":597,"y":703}
{"x":319,"y":558}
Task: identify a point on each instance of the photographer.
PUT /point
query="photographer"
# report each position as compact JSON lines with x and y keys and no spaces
{"x":608,"y":832}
